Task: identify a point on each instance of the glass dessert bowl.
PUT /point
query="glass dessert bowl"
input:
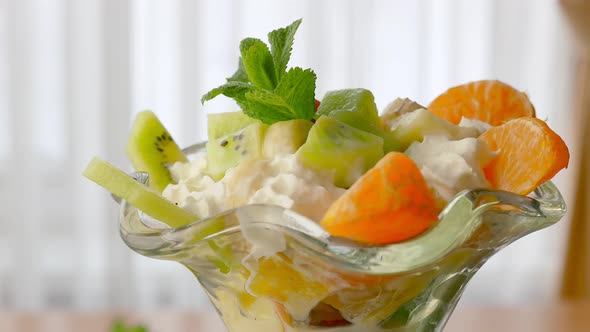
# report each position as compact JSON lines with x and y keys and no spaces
{"x":334,"y":174}
{"x":271,"y":212}
{"x":268,"y":268}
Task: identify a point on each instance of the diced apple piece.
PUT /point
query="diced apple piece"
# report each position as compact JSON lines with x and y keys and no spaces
{"x":285,"y":137}
{"x":414,"y":126}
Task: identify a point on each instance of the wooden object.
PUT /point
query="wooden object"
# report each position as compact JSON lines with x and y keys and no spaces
{"x":576,"y":275}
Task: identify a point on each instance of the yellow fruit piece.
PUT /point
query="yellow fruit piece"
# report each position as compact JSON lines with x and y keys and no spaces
{"x":280,"y":281}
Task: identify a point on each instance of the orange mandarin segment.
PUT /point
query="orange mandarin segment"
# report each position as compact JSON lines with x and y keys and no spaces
{"x":390,"y":203}
{"x":490,"y":101}
{"x":529,"y":154}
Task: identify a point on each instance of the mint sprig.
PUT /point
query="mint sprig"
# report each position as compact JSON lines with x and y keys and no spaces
{"x":263,"y":87}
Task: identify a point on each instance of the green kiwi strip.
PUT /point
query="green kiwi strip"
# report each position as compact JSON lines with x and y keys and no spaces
{"x":145,"y":199}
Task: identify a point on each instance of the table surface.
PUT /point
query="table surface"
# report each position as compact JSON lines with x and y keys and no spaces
{"x":564,"y":317}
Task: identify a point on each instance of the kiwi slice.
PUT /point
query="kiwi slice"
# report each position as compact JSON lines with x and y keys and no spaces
{"x":285,"y":137}
{"x":223,"y":124}
{"x":341,"y":150}
{"x":150,"y":148}
{"x":145,"y":199}
{"x":228,"y":151}
{"x":360,"y":101}
{"x":356,"y":108}
{"x":357,"y":120}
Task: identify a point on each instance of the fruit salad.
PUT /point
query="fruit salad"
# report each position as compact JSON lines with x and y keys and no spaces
{"x":366,"y":177}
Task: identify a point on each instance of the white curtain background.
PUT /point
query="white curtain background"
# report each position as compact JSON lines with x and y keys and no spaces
{"x":74,"y":72}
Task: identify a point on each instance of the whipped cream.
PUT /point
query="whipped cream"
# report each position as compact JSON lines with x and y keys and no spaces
{"x":451,"y":166}
{"x":480,"y":126}
{"x":281,"y":181}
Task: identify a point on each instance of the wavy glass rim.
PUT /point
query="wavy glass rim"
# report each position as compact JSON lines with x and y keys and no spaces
{"x":505,"y":216}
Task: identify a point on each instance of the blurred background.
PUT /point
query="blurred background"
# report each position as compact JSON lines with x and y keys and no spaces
{"x":74,"y":72}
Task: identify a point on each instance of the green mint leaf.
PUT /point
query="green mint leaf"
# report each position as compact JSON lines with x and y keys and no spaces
{"x":240,"y":75}
{"x":297,"y":88}
{"x":258,"y":63}
{"x":235,"y":90}
{"x":281,"y":44}
{"x":292,"y":99}
{"x":267,"y":107}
